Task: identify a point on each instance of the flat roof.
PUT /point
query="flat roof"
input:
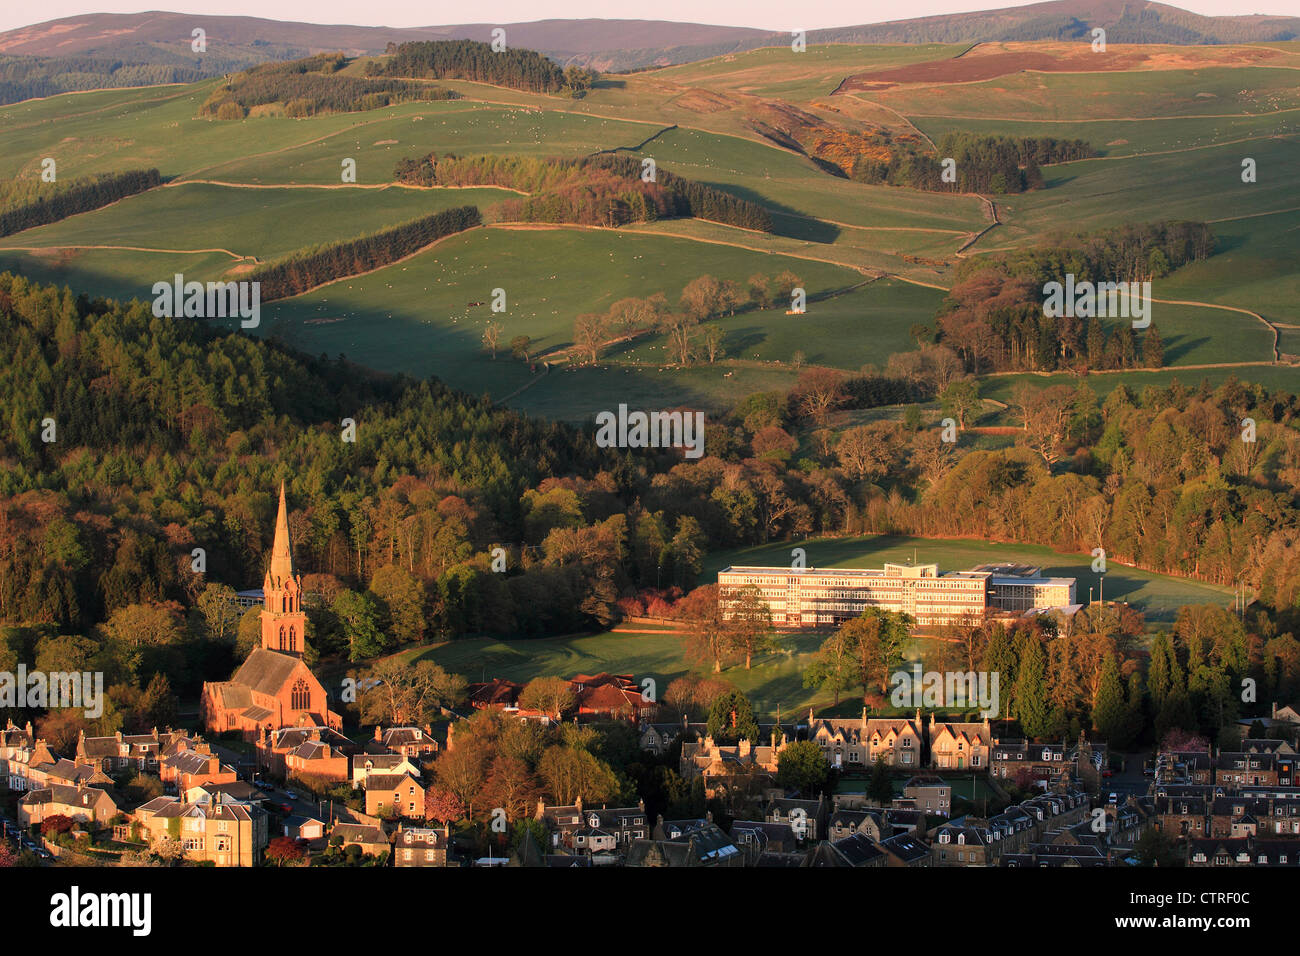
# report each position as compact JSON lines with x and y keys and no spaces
{"x":856,"y":572}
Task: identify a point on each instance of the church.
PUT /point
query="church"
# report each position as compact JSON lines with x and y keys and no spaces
{"x":273,"y":688}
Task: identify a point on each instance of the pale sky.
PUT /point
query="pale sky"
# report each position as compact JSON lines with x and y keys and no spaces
{"x":761,"y":14}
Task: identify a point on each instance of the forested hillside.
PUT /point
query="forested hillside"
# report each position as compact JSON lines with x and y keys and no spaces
{"x":171,"y":436}
{"x":310,"y":86}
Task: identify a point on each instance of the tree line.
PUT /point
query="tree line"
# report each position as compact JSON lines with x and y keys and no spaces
{"x":78,"y":196}
{"x":309,"y":268}
{"x":605,"y":189}
{"x":983,"y":164}
{"x":309,"y":86}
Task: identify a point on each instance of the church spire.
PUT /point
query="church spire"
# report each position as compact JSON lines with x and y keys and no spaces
{"x":283,"y":623}
{"x":281,"y":569}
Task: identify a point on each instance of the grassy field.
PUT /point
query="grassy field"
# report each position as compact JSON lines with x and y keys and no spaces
{"x":1172,"y":142}
{"x":414,"y":316}
{"x":774,"y":681}
{"x":264,"y":223}
{"x":1150,"y":95}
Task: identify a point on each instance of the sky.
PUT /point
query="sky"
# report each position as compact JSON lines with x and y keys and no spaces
{"x":762,"y":14}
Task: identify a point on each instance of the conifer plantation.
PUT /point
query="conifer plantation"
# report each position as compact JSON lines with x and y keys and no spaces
{"x":469,"y":60}
{"x":309,"y":268}
{"x":77,"y":196}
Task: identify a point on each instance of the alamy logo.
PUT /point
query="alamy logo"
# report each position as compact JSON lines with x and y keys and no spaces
{"x":1101,"y":299}
{"x":651,"y":430}
{"x":53,"y":690}
{"x":216,"y":300}
{"x":76,"y":909}
{"x":917,"y":688}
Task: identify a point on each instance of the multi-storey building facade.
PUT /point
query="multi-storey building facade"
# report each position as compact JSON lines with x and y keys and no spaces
{"x":819,"y":597}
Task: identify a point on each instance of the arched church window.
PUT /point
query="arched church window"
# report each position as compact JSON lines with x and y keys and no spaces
{"x":301,"y":698}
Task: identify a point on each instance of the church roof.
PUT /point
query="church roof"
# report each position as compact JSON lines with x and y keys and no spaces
{"x":265,"y":671}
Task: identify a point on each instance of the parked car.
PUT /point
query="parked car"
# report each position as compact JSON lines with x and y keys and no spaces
{"x":1113,"y":799}
{"x":291,"y":795}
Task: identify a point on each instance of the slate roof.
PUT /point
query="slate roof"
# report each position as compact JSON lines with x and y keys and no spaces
{"x":857,"y":850}
{"x":265,"y":671}
{"x":906,"y":847}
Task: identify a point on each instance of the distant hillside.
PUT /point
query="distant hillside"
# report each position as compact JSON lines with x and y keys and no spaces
{"x":1124,"y":20}
{"x":101,"y":50}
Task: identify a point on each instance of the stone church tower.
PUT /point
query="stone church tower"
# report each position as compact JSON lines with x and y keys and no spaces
{"x":284,"y":625}
{"x":273,"y":688}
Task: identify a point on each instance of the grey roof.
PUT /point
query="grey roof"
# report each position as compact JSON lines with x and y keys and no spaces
{"x":265,"y":671}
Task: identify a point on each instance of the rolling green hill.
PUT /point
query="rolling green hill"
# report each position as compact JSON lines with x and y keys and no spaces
{"x":1171,"y":127}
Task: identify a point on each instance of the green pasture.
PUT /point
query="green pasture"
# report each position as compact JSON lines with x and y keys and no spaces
{"x":1211,"y":91}
{"x":775,"y":680}
{"x":265,"y":223}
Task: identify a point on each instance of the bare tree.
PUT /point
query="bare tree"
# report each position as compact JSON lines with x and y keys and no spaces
{"x":589,"y":333}
{"x":492,"y":336}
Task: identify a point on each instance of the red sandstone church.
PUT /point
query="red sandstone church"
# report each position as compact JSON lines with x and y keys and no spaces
{"x":273,"y":688}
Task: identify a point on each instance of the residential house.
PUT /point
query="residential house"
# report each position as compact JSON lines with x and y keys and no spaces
{"x":959,"y":844}
{"x":189,"y":768}
{"x":611,"y":696}
{"x":929,"y":794}
{"x":421,"y":846}
{"x":848,"y":742}
{"x":139,"y":752}
{"x":906,"y":850}
{"x":870,"y":823}
{"x":90,"y":806}
{"x":960,"y":746}
{"x":685,"y":843}
{"x":400,"y":794}
{"x":857,"y":851}
{"x":414,"y":743}
{"x":363,"y":765}
{"x":718,"y":763}
{"x":220,"y":832}
{"x":805,"y":818}
{"x":314,"y":753}
{"x":370,"y":839}
{"x":594,"y":830}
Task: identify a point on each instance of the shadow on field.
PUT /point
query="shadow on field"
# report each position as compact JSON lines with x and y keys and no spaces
{"x":1178,"y":346}
{"x":788,"y":221}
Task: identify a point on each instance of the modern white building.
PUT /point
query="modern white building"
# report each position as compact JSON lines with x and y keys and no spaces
{"x":821,"y":597}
